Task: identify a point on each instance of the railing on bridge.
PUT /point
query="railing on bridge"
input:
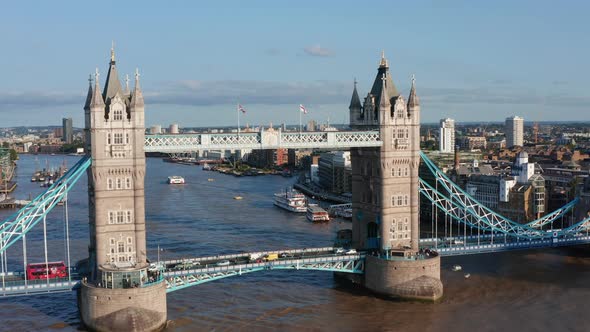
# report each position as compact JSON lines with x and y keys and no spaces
{"x":321,"y":259}
{"x":266,"y":139}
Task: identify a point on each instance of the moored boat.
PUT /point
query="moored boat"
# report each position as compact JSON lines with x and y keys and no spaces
{"x":291,"y":200}
{"x":315,"y":213}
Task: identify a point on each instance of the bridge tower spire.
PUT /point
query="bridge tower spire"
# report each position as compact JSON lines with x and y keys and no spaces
{"x":385,"y":198}
{"x":117,"y":289}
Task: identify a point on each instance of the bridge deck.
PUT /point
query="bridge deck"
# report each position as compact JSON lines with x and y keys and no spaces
{"x":194,"y":271}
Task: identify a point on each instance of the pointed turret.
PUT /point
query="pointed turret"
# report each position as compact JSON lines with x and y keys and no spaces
{"x":413,"y":98}
{"x":97,"y":99}
{"x":137,"y":96}
{"x":355,"y":108}
{"x":355,"y":101}
{"x":89,"y":94}
{"x":414,"y":103}
{"x":378,"y":85}
{"x":112,"y":84}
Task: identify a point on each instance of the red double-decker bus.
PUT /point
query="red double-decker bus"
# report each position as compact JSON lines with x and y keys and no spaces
{"x":50,"y":270}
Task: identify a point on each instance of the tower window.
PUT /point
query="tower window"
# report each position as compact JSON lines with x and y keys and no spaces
{"x":118,"y":138}
{"x":118,"y":115}
{"x":127,"y":183}
{"x":109,"y":184}
{"x":126,"y":138}
{"x":109,"y":138}
{"x":119,"y":183}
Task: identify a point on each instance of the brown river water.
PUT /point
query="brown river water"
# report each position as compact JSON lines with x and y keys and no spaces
{"x":536,"y":290}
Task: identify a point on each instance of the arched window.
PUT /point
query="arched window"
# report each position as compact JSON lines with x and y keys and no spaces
{"x":392,"y":200}
{"x":406,"y":200}
{"x":399,"y":200}
{"x":407,"y":133}
{"x":109,"y":184}
{"x":126,"y":138}
{"x":406,"y":171}
{"x":119,"y":183}
{"x":109,"y":138}
{"x":128,"y":183}
{"x":399,"y":172}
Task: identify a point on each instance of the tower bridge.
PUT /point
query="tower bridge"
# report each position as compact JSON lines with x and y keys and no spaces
{"x":391,"y":259}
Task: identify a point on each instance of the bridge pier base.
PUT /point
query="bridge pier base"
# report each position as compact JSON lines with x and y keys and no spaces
{"x":128,"y":309}
{"x":404,"y":278}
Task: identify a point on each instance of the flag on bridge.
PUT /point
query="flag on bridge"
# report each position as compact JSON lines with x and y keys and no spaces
{"x":302,"y":109}
{"x":241,"y":108}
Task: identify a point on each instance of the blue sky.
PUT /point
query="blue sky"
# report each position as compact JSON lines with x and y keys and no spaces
{"x":473,"y":60}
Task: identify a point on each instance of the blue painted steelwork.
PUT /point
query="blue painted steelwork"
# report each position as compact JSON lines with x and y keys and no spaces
{"x":176,"y":280}
{"x":13,"y":228}
{"x":265,"y":139}
{"x":40,"y":286}
{"x":463,"y":215}
{"x":485,"y":218}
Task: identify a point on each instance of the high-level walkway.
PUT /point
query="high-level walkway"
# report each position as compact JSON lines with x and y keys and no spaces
{"x":265,"y":139}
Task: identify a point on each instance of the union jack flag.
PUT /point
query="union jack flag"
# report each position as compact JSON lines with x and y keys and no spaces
{"x":302,"y":109}
{"x":241,"y":108}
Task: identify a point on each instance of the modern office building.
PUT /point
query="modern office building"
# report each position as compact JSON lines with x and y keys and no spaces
{"x":447,"y":136}
{"x":67,"y":130}
{"x":514,"y":131}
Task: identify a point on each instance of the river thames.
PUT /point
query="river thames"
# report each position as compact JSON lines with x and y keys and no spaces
{"x":542,"y":290}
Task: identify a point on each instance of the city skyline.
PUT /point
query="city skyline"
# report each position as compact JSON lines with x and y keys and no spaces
{"x":502,"y":65}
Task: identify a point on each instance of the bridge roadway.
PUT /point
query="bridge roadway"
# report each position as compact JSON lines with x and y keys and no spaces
{"x":203,"y":269}
{"x":182,"y":273}
{"x":188,"y":272}
{"x":265,"y":139}
{"x":486,"y":243}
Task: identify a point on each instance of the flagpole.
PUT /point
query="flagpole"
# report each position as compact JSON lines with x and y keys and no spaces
{"x":300,"y":120}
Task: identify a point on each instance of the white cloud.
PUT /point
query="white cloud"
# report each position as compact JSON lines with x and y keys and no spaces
{"x":317,"y":50}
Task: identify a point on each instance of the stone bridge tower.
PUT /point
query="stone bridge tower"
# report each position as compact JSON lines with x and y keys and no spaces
{"x":119,"y":293}
{"x":385,"y":193}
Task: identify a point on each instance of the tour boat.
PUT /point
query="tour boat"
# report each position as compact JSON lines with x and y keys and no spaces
{"x":316,"y":213}
{"x":291,"y":200}
{"x":175,"y":179}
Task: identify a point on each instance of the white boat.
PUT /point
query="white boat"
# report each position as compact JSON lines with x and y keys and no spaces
{"x":315,"y":213}
{"x":467,"y":276}
{"x":175,"y":179}
{"x":457,"y":268}
{"x":291,"y":200}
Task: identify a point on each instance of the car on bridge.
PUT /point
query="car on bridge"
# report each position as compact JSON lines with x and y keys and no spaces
{"x":351,"y":251}
{"x":286,"y":255}
{"x":223,"y":263}
{"x":186,"y":265}
{"x":339,"y":250}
